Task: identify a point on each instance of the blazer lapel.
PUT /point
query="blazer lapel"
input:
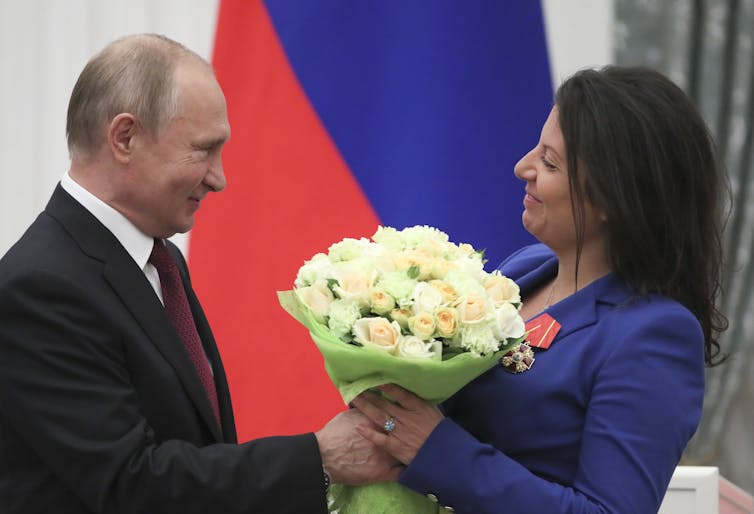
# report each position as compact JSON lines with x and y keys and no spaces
{"x":134,"y":290}
{"x":581,"y":309}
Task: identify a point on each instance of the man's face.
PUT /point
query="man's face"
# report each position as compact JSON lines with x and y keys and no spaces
{"x":170,"y":176}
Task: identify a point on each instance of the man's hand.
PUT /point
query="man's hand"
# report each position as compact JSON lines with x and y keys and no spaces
{"x":351,"y":459}
{"x":413,"y":420}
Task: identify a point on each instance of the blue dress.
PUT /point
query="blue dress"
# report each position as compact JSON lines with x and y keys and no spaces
{"x":598,"y":423}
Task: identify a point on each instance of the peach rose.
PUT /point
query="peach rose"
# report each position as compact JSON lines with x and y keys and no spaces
{"x":377,"y":333}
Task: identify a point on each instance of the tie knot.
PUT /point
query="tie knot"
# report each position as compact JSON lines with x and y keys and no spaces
{"x":160,"y":258}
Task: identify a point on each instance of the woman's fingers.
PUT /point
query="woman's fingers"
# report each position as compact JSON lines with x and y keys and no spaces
{"x":390,"y":444}
{"x":401,"y":427}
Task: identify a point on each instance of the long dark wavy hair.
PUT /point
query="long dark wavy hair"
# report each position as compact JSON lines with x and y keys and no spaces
{"x":646,"y":158}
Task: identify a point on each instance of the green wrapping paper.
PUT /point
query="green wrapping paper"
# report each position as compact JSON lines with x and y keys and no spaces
{"x":354,"y":369}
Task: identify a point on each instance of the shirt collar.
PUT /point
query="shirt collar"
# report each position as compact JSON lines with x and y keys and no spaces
{"x":137,"y":243}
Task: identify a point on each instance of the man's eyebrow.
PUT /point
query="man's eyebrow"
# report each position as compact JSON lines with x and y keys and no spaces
{"x":213,"y":143}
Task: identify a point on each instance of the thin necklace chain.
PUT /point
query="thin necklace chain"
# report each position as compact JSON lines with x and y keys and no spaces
{"x":549,"y":296}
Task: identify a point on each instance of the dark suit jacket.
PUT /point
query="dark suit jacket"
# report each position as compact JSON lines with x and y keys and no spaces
{"x":101,"y":409}
{"x":597,"y":424}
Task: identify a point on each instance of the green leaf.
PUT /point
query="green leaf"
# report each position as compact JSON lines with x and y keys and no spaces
{"x":481,"y":255}
{"x":413,"y":271}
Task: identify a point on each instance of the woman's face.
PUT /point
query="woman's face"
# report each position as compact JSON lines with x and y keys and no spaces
{"x":547,"y":204}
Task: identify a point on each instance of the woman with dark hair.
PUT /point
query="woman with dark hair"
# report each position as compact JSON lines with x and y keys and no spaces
{"x":622,"y":190}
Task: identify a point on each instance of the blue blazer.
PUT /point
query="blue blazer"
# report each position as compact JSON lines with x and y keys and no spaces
{"x":598,"y":423}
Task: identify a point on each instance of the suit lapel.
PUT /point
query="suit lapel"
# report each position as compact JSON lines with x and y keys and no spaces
{"x":134,"y":290}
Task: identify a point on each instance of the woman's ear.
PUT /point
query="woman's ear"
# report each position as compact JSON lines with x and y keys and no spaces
{"x":120,"y":137}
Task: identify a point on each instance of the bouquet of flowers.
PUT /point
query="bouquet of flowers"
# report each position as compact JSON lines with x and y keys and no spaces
{"x":407,"y":307}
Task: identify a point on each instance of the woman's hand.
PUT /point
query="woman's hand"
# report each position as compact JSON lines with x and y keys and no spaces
{"x":413,"y":419}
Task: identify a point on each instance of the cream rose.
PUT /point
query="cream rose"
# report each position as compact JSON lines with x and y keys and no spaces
{"x":448,"y":292}
{"x":354,"y":285}
{"x":318,"y":298}
{"x":472,"y":309}
{"x":380,"y":302}
{"x":377,"y":333}
{"x":401,"y":317}
{"x":440,"y":267}
{"x":416,"y":348}
{"x":501,"y":289}
{"x":408,"y":258}
{"x":422,"y":325}
{"x":446,"y":320}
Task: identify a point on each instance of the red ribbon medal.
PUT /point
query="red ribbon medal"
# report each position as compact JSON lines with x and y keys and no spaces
{"x":541,"y":331}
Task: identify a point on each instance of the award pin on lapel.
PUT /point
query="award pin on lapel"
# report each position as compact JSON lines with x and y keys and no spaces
{"x":518,"y":359}
{"x":540,"y":333}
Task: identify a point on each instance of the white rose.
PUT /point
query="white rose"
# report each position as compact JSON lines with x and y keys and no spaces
{"x":426,"y":297}
{"x":463,"y":283}
{"x":377,"y":333}
{"x":471,"y":264}
{"x":348,"y":249}
{"x":317,"y":268}
{"x":416,"y":235}
{"x":398,"y":285}
{"x":414,"y":347}
{"x":508,"y":323}
{"x":389,"y":238}
{"x":318,"y":298}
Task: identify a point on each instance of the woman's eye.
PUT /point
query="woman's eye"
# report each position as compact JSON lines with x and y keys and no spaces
{"x":548,"y":164}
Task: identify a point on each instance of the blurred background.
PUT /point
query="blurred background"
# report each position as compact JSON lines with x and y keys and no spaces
{"x":346,"y":115}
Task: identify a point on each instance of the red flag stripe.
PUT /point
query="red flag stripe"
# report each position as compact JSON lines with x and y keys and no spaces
{"x":289,"y":195}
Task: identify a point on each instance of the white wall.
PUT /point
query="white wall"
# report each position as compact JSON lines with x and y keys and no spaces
{"x":45,"y":43}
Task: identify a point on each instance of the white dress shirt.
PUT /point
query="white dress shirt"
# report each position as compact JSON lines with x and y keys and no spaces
{"x":137,"y":243}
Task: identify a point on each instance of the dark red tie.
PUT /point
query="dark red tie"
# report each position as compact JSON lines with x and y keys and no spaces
{"x":177,"y":308}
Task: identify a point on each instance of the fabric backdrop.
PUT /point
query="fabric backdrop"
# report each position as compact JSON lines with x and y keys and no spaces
{"x":346,"y":115}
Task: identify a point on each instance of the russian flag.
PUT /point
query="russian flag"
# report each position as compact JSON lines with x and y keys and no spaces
{"x":346,"y":115}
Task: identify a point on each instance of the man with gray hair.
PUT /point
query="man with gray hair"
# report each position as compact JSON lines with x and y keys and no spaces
{"x":113,"y":396}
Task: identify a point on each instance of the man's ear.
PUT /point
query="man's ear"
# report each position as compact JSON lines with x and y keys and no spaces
{"x":120,"y":137}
